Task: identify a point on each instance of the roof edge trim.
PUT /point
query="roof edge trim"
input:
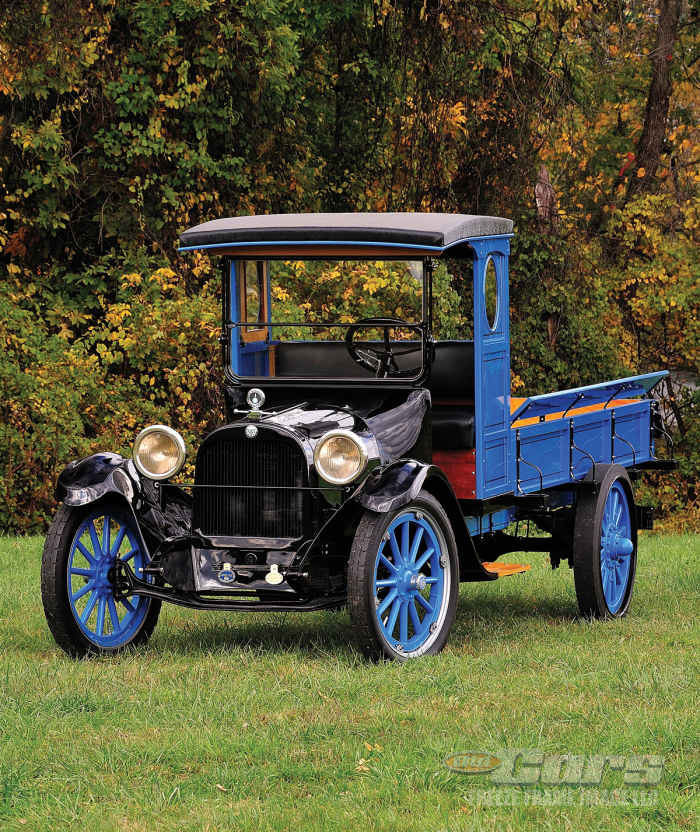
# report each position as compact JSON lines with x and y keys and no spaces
{"x":344,"y":244}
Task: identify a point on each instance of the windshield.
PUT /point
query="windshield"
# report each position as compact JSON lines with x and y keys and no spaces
{"x":339,"y":319}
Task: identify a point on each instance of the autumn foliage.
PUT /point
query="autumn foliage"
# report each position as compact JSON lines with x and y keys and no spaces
{"x":123,"y":123}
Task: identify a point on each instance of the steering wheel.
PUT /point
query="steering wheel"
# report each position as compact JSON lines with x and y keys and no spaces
{"x":382,"y":362}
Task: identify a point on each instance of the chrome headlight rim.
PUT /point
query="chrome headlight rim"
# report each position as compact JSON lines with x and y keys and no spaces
{"x":171,"y":433}
{"x":353,"y":437}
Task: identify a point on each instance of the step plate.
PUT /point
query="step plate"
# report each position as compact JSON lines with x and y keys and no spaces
{"x":503,"y":569}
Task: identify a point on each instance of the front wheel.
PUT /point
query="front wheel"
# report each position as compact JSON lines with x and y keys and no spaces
{"x":403,"y":580}
{"x":77,"y":571}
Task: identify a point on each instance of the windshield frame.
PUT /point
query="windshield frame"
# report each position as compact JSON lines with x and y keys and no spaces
{"x":229,"y":327}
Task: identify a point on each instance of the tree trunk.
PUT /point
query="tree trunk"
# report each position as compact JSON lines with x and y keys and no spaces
{"x":651,"y":141}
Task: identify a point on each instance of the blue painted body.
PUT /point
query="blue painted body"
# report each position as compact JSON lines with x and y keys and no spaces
{"x":496,"y":521}
{"x":512,"y":459}
{"x":547,"y":458}
{"x":495,"y":472}
{"x":252,"y":358}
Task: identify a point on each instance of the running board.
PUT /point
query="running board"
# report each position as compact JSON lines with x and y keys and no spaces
{"x":503,"y":569}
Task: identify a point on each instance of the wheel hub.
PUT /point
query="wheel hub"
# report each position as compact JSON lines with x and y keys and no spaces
{"x":419,"y":582}
{"x":617,"y":545}
{"x":410,"y":582}
{"x":105,"y":574}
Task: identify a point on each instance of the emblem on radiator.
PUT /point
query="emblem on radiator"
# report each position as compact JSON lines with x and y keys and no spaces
{"x":251,"y":431}
{"x":227,"y":575}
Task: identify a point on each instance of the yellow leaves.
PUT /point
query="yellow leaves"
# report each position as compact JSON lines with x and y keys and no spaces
{"x":163,"y":278}
{"x":132,"y":279}
{"x":457,"y":118}
{"x":373,"y":284}
{"x":641,"y":173}
{"x":117,"y":313}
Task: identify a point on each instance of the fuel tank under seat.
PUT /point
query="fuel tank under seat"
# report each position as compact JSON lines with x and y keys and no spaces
{"x":451,"y":386}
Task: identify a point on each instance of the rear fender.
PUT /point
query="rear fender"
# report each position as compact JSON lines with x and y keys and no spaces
{"x":398,"y":484}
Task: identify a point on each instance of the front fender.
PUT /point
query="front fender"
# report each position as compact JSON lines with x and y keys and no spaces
{"x":387,"y":489}
{"x":397,"y":485}
{"x":87,"y":480}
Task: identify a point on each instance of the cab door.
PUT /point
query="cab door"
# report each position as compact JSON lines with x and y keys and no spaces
{"x":253,"y":352}
{"x":495,"y":469}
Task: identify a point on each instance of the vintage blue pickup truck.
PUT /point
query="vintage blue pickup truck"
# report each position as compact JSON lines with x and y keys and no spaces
{"x":368,"y":462}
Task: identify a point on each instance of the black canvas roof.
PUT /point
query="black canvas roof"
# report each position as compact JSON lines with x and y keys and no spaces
{"x":425,"y":231}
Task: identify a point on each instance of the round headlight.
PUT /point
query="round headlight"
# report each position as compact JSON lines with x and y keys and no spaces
{"x":159,"y":452}
{"x":340,"y":457}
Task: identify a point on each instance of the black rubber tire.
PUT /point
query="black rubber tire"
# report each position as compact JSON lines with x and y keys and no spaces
{"x":587,"y":535}
{"x":361,"y":601}
{"x":54,"y":589}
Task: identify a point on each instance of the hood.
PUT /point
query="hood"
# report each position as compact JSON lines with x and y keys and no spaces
{"x":313,"y":420}
{"x":389,"y":434}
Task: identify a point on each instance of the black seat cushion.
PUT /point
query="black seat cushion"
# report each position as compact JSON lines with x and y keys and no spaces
{"x":453,"y":427}
{"x":451,"y":385}
{"x":452,"y":372}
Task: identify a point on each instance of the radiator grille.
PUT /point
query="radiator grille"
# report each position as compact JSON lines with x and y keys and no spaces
{"x":266,"y":462}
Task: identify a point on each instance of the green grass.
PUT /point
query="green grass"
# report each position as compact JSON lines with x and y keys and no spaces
{"x":277,"y":710}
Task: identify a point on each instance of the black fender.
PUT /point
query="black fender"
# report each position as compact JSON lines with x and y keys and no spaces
{"x":390,"y":488}
{"x":106,"y":474}
{"x":87,"y":480}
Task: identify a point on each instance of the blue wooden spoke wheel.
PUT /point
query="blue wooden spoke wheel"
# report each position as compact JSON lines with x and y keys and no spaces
{"x":403,"y":580}
{"x":605,"y":545}
{"x":78,"y":569}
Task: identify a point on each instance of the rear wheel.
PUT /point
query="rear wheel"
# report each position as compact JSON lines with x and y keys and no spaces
{"x":605,"y":546}
{"x":403,"y":580}
{"x":81,"y":550}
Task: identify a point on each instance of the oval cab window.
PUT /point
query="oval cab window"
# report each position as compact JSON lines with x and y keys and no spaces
{"x":491,"y":294}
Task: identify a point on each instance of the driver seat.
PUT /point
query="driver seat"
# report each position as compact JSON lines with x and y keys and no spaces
{"x":451,"y":386}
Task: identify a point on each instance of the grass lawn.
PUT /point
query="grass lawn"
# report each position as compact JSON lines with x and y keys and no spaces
{"x":230,"y":721}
